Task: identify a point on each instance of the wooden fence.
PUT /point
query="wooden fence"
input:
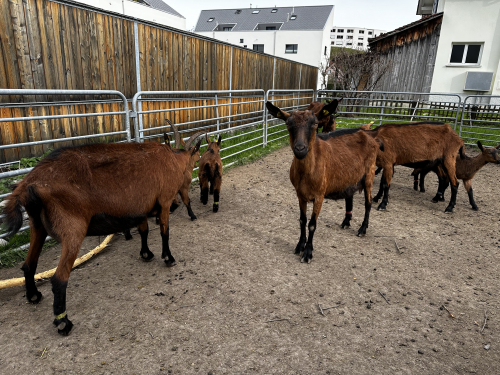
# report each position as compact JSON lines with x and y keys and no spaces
{"x":52,"y":45}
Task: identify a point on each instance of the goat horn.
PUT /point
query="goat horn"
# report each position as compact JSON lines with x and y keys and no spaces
{"x":187,"y":146}
{"x":177,"y":137}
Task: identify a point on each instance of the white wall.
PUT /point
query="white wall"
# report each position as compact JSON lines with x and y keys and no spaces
{"x":139,"y":11}
{"x":467,"y":22}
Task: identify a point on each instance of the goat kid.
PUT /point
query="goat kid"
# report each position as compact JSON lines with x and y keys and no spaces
{"x":210,"y":172}
{"x":415,"y":145}
{"x":94,"y":190}
{"x":333,"y":166}
{"x":327,"y":122}
{"x":466,"y":169}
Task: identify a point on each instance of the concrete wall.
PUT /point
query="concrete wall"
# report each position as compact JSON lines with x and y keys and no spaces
{"x":139,"y":11}
{"x":467,"y":21}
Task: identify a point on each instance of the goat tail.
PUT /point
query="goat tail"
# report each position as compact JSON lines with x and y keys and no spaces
{"x":380,"y":144}
{"x":208,"y":172}
{"x":217,"y":173}
{"x":22,"y":196}
{"x":462,"y":153}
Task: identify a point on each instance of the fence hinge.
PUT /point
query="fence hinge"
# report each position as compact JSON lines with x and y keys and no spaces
{"x":132,"y":114}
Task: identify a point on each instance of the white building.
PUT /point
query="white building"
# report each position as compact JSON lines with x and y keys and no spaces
{"x":300,"y":34}
{"x":352,"y":37}
{"x":469,"y":42}
{"x":148,"y":10}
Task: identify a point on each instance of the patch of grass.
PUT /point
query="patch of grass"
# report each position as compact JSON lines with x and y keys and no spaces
{"x":9,"y":256}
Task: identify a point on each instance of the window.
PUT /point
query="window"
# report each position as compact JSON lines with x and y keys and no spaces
{"x":360,"y":44}
{"x":350,"y":30}
{"x":340,"y":37}
{"x":293,"y":17}
{"x":274,"y":10}
{"x":349,"y":36}
{"x":291,"y":48}
{"x":258,"y":47}
{"x":370,"y":32}
{"x":245,"y":46}
{"x":340,"y":30}
{"x":210,"y":19}
{"x":241,"y":41}
{"x":332,"y":30}
{"x":349,"y":44}
{"x":466,"y":54}
{"x":361,"y":31}
{"x":332,"y":43}
{"x":360,"y":38}
{"x":326,"y":48}
{"x":225,"y":28}
{"x":255,"y":11}
{"x":270,"y":27}
{"x":339,"y":43}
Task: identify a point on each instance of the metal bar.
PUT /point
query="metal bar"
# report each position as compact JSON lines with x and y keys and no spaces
{"x":217,"y":111}
{"x":230,"y":83}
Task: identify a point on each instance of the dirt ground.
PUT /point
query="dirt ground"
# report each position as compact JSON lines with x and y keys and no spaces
{"x":240,"y":302}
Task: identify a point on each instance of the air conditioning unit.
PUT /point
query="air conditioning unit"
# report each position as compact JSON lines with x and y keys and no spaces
{"x":478,"y":81}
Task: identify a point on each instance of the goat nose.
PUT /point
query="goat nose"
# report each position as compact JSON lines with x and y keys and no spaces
{"x":300,"y":148}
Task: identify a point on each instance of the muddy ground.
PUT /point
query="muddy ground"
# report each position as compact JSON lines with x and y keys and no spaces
{"x":240,"y":302}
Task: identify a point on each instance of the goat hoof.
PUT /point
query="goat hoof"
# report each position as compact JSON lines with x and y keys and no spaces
{"x":299,"y":249}
{"x":376,"y":199}
{"x":37,"y":298}
{"x":193,"y":218}
{"x":170,"y":263}
{"x":422,"y":190}
{"x":449,"y":210}
{"x":215,"y":208}
{"x":475,"y":208}
{"x":381,"y":207}
{"x":147,"y":256}
{"x":127,"y":235}
{"x":434,"y":200}
{"x":66,"y":326}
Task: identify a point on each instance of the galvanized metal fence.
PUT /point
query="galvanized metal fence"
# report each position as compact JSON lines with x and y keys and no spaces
{"x":242,"y":117}
{"x":360,"y":107}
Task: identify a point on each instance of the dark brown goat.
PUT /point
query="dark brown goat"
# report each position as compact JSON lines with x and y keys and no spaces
{"x":416,"y":145}
{"x":210,"y":172}
{"x":332,"y":166}
{"x":466,"y":169}
{"x":94,"y":190}
{"x":327,"y":122}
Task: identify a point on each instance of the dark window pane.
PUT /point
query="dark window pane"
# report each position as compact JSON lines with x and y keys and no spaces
{"x":270,"y":27}
{"x":473,"y":54}
{"x":457,"y":53}
{"x":258,"y":47}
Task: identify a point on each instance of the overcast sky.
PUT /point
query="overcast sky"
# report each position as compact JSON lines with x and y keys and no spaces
{"x":377,"y":14}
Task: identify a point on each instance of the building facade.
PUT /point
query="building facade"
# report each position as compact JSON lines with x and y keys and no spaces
{"x":155,"y":11}
{"x":454,"y":48}
{"x":295,"y":33}
{"x":352,"y":37}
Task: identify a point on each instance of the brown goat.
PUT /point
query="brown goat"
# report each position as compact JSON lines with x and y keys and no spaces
{"x":416,"y":145}
{"x":210,"y":172}
{"x":94,"y":190}
{"x":332,"y":166}
{"x":328,"y":122}
{"x":466,"y":169}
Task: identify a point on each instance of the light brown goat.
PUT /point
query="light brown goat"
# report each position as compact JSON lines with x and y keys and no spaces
{"x":210,"y":172}
{"x":327,"y":122}
{"x":94,"y":190}
{"x":466,"y":169}
{"x":333,"y":166}
{"x":415,"y":145}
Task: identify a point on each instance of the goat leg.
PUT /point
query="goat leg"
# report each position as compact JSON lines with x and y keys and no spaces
{"x":385,"y":183}
{"x":216,"y":200}
{"x":307,"y":255}
{"x":165,"y":234}
{"x":204,"y":193}
{"x":380,"y":192}
{"x":38,"y":234}
{"x":368,"y":207}
{"x":143,"y":229}
{"x":443,"y":184}
{"x":415,"y":175}
{"x":303,"y":221}
{"x":185,"y":199}
{"x":468,"y":188}
{"x":348,"y":213}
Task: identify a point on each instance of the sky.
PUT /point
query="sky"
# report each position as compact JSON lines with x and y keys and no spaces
{"x":374,"y":14}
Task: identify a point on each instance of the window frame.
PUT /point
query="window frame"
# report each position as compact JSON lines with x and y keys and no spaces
{"x":464,"y":55}
{"x":256,"y":50}
{"x":294,"y":50}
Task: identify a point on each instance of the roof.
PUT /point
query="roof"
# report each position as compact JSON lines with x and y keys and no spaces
{"x":421,"y":21}
{"x":160,"y":5}
{"x":308,"y":18}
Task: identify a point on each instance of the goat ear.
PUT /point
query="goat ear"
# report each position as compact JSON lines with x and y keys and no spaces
{"x":328,"y":109}
{"x":480,"y":145}
{"x":196,"y":148}
{"x":220,"y":140}
{"x":276,"y":112}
